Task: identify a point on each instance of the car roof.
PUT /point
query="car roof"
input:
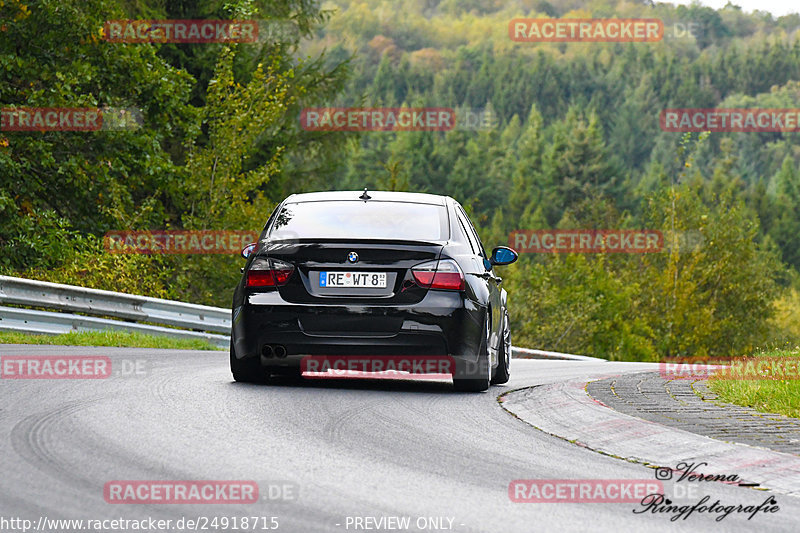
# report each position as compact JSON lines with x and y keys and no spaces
{"x":378,"y":196}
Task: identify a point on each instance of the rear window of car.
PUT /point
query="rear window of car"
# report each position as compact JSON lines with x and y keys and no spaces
{"x":346,"y":219}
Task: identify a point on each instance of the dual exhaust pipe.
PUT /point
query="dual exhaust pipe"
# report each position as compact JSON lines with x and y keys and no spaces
{"x":268,"y":351}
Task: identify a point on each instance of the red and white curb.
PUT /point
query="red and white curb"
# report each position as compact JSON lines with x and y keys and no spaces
{"x":565,"y":410}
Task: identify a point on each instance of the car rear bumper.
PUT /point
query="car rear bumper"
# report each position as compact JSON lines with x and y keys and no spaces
{"x":443,"y":323}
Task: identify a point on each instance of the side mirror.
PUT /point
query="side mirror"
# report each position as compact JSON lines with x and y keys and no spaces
{"x":503,"y":255}
{"x":249,"y":249}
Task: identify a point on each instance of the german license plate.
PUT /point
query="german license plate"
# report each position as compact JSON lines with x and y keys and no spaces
{"x":368,"y":280}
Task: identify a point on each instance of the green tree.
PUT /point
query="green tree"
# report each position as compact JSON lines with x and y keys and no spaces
{"x":785,"y":227}
{"x":87,"y":181}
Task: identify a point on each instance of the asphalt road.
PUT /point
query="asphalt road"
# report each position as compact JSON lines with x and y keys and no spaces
{"x":354,"y":449}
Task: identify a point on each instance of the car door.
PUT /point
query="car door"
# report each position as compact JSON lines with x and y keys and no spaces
{"x":484,"y":270}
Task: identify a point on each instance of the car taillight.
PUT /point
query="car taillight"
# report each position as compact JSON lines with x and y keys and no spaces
{"x":444,"y":275}
{"x":268,"y":273}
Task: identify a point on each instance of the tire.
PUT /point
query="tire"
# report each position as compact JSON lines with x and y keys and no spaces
{"x":503,"y":371}
{"x":481,"y":383}
{"x":246,"y":370}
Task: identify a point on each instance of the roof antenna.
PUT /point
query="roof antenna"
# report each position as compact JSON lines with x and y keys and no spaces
{"x":365,"y":195}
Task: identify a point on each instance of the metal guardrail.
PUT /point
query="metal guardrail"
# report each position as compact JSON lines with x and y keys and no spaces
{"x":201,"y":321}
{"x":197,"y":321}
{"x":45,"y":322}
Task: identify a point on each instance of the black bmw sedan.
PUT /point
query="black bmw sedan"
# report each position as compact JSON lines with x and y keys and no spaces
{"x":371,"y":276}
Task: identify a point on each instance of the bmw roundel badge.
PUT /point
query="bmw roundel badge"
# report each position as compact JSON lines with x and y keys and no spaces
{"x":352,"y":257}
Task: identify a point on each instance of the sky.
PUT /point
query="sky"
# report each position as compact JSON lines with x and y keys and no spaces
{"x":776,"y":7}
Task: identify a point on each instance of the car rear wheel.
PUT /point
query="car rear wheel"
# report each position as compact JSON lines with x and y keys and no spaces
{"x":246,"y":370}
{"x":480,"y":382}
{"x":503,"y":371}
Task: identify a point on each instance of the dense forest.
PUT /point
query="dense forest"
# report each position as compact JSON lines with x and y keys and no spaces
{"x":574,"y":141}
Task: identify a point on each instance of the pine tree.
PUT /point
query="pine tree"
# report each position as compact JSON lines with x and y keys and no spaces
{"x":785,"y":230}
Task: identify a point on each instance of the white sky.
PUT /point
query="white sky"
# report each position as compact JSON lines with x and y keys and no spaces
{"x":776,"y":7}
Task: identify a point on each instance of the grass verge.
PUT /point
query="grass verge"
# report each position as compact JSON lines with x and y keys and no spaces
{"x":106,"y":338}
{"x":771,"y":396}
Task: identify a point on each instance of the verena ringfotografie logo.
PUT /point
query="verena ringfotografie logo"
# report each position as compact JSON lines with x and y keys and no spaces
{"x":180,"y":492}
{"x":378,"y":366}
{"x":180,"y":31}
{"x":586,"y":30}
{"x":745,"y":368}
{"x":691,"y":473}
{"x":586,"y":241}
{"x":739,"y":120}
{"x":178,"y":241}
{"x":69,"y":118}
{"x":55,"y":367}
{"x":582,"y":490}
